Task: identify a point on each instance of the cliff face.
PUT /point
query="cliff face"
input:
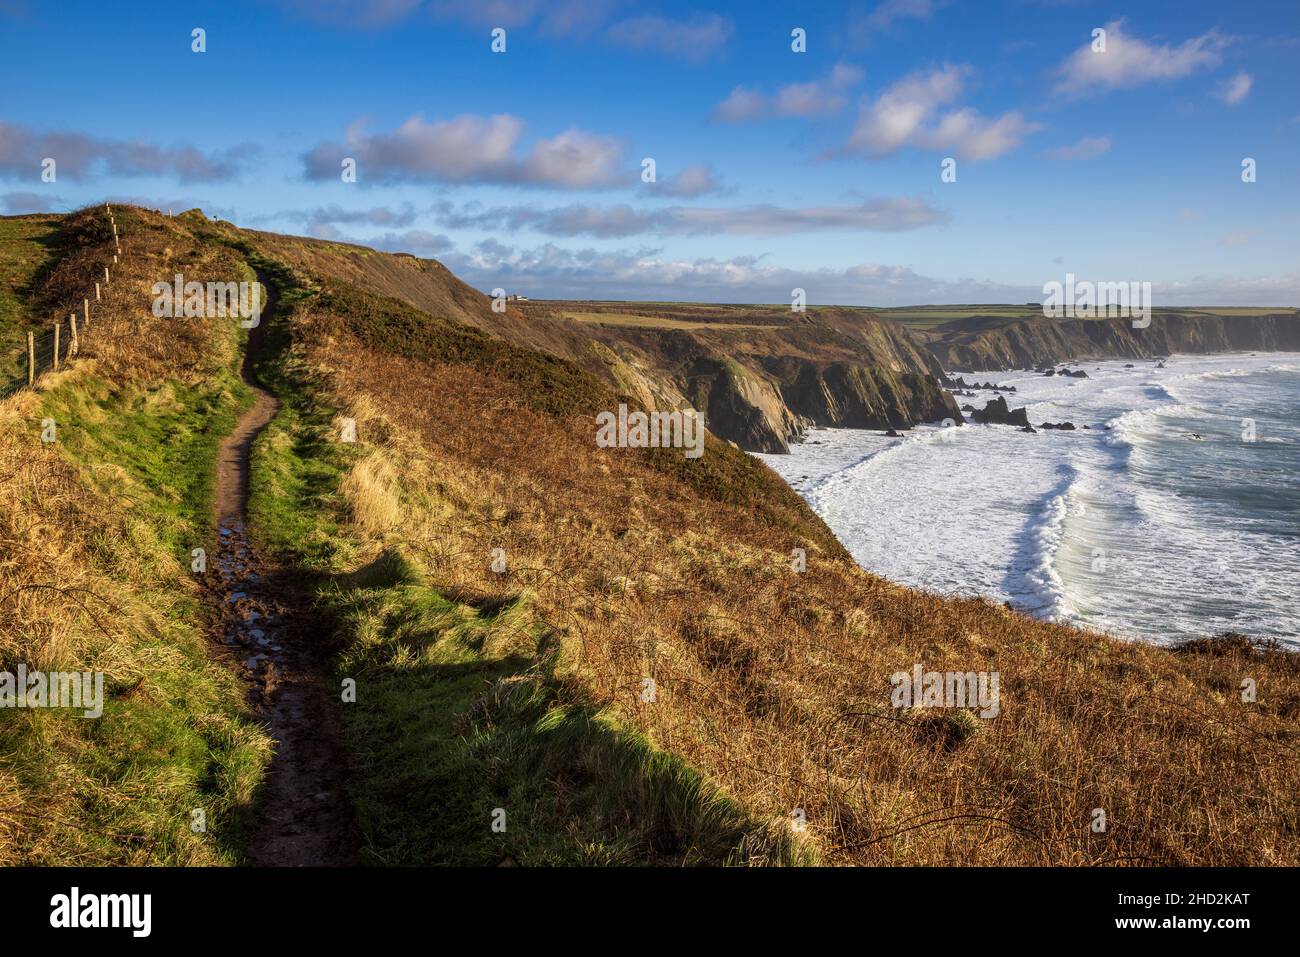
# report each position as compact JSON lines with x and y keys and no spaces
{"x":989,"y":344}
{"x":761,"y":386}
{"x":861,"y":396}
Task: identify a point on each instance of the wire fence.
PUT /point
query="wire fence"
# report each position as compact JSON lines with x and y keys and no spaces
{"x":51,"y":347}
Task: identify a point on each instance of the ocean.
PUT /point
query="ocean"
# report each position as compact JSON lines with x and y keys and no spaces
{"x":1175,"y":515}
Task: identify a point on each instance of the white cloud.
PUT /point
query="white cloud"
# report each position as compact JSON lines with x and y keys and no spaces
{"x":549,"y":17}
{"x":15,"y":204}
{"x":1090,"y":147}
{"x":80,"y":156}
{"x":472,"y":149}
{"x":905,"y":115}
{"x":552,"y":272}
{"x":418,"y":242}
{"x":890,"y":12}
{"x":549,"y":271}
{"x":404,"y":215}
{"x":572,"y":159}
{"x":694,"y":38}
{"x":875,"y":215}
{"x":969,"y":135}
{"x":743,"y":103}
{"x":690,"y":182}
{"x":1129,"y":61}
{"x":898,"y":214}
{"x":844,"y":76}
{"x":897,"y":115}
{"x":1235,"y":90}
{"x":815,"y":98}
{"x":806,"y":99}
{"x":1230,"y":291}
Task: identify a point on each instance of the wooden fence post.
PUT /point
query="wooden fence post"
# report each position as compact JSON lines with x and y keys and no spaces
{"x":31,"y":359}
{"x":56,"y":347}
{"x":85,"y":308}
{"x":96,"y":292}
{"x":72,"y":344}
{"x":105,"y":275}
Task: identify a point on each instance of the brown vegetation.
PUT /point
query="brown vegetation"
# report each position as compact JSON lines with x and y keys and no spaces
{"x":630,"y":564}
{"x":776,"y":683}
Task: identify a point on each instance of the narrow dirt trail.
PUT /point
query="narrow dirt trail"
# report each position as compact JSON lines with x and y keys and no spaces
{"x":305,"y":818}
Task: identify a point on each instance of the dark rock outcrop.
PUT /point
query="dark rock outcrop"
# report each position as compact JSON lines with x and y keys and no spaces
{"x":960,"y":383}
{"x":996,"y":412}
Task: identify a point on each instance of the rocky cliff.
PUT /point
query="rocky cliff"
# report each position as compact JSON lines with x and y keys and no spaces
{"x":760,"y":386}
{"x":990,"y":343}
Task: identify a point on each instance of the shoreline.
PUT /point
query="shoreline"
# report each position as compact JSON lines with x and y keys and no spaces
{"x":1047,"y":525}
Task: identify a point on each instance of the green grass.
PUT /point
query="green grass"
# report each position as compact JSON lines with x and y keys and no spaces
{"x":295,"y":511}
{"x":165,"y":435}
{"x":176,"y":733}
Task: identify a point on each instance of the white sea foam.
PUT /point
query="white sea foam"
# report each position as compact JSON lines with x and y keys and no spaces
{"x":1134,"y":424}
{"x":1045,"y":535}
{"x":1143,"y":529}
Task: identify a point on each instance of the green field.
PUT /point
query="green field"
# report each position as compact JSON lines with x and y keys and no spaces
{"x":656,"y":322}
{"x":715,"y":316}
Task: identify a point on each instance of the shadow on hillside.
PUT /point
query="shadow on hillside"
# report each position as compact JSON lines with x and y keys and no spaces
{"x":466,"y":752}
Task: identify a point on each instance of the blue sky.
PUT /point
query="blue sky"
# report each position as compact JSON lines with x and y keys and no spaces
{"x":774,"y":169}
